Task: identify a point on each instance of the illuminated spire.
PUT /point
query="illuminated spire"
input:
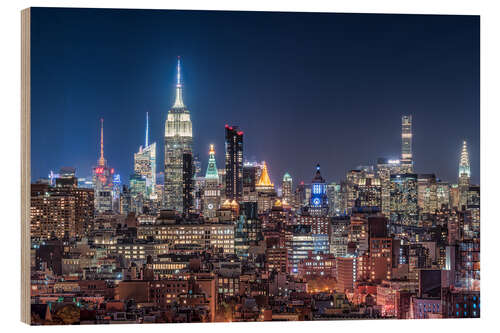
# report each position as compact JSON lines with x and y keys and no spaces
{"x":147,"y":130}
{"x":264,"y":180}
{"x":178,"y":87}
{"x":317,"y":176}
{"x":102,"y":161}
{"x":464,"y":165}
{"x":212,"y":172}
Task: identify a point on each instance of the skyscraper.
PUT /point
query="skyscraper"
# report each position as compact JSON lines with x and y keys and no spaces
{"x":103,"y":181}
{"x":334,"y":199}
{"x":67,"y":178}
{"x":404,"y":199}
{"x":287,"y":188}
{"x":187,"y":182}
{"x":266,"y":193}
{"x":145,"y":164}
{"x":386,"y":168}
{"x":250,"y":178}
{"x":406,"y":145}
{"x":137,"y":190}
{"x":178,"y":143}
{"x":463,"y":176}
{"x":318,"y":204}
{"x":234,"y":163}
{"x":369,"y":191}
{"x":211,"y":192}
{"x":427,"y":194}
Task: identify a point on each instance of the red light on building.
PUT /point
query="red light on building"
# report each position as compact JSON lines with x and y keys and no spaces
{"x":227,"y":126}
{"x":240,"y":133}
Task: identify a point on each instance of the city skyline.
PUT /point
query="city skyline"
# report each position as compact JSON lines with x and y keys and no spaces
{"x":266,"y":134}
{"x":315,"y":167}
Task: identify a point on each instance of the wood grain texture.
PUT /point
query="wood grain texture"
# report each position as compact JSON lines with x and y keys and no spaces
{"x":25,"y":165}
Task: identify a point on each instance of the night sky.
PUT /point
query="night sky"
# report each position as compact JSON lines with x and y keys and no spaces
{"x":304,"y":88}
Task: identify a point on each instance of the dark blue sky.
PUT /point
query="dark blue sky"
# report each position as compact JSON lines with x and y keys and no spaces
{"x":305,"y":88}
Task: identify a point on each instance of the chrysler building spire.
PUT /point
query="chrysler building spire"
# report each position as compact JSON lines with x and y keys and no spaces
{"x":464,"y":166}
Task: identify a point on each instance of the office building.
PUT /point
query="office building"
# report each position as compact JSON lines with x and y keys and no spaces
{"x":145,"y":164}
{"x":103,"y":181}
{"x":178,"y":145}
{"x":211,"y":191}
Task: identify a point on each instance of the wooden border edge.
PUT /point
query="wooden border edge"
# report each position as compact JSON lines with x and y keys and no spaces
{"x":25,"y":164}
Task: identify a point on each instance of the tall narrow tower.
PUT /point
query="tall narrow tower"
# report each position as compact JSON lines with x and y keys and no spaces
{"x":234,"y":163}
{"x":406,"y":145}
{"x":463,"y":175}
{"x":102,"y":161}
{"x":103,"y":180}
{"x":211,"y":192}
{"x":318,"y":204}
{"x":145,"y":165}
{"x":147,"y":130}
{"x":287,"y":189}
{"x":178,"y":149}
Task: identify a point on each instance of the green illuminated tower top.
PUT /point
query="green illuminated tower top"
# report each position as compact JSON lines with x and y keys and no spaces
{"x":212,"y":167}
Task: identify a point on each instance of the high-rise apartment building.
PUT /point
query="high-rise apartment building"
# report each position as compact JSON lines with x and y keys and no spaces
{"x":250,"y":178}
{"x":406,"y":144}
{"x":234,"y":163}
{"x":58,"y":212}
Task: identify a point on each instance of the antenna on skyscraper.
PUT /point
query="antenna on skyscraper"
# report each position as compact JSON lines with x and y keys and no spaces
{"x":178,"y":87}
{"x":178,"y":71}
{"x":101,"y":159}
{"x":147,"y":129}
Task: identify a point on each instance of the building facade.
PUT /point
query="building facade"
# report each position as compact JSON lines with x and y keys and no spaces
{"x":211,"y":191}
{"x":234,"y":163}
{"x":178,"y":144}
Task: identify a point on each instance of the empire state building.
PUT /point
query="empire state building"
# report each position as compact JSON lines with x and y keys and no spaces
{"x":178,"y":153}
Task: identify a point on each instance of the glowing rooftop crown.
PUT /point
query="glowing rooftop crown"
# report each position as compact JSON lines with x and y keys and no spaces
{"x":264,"y":180}
{"x":212,"y":172}
{"x":464,"y":166}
